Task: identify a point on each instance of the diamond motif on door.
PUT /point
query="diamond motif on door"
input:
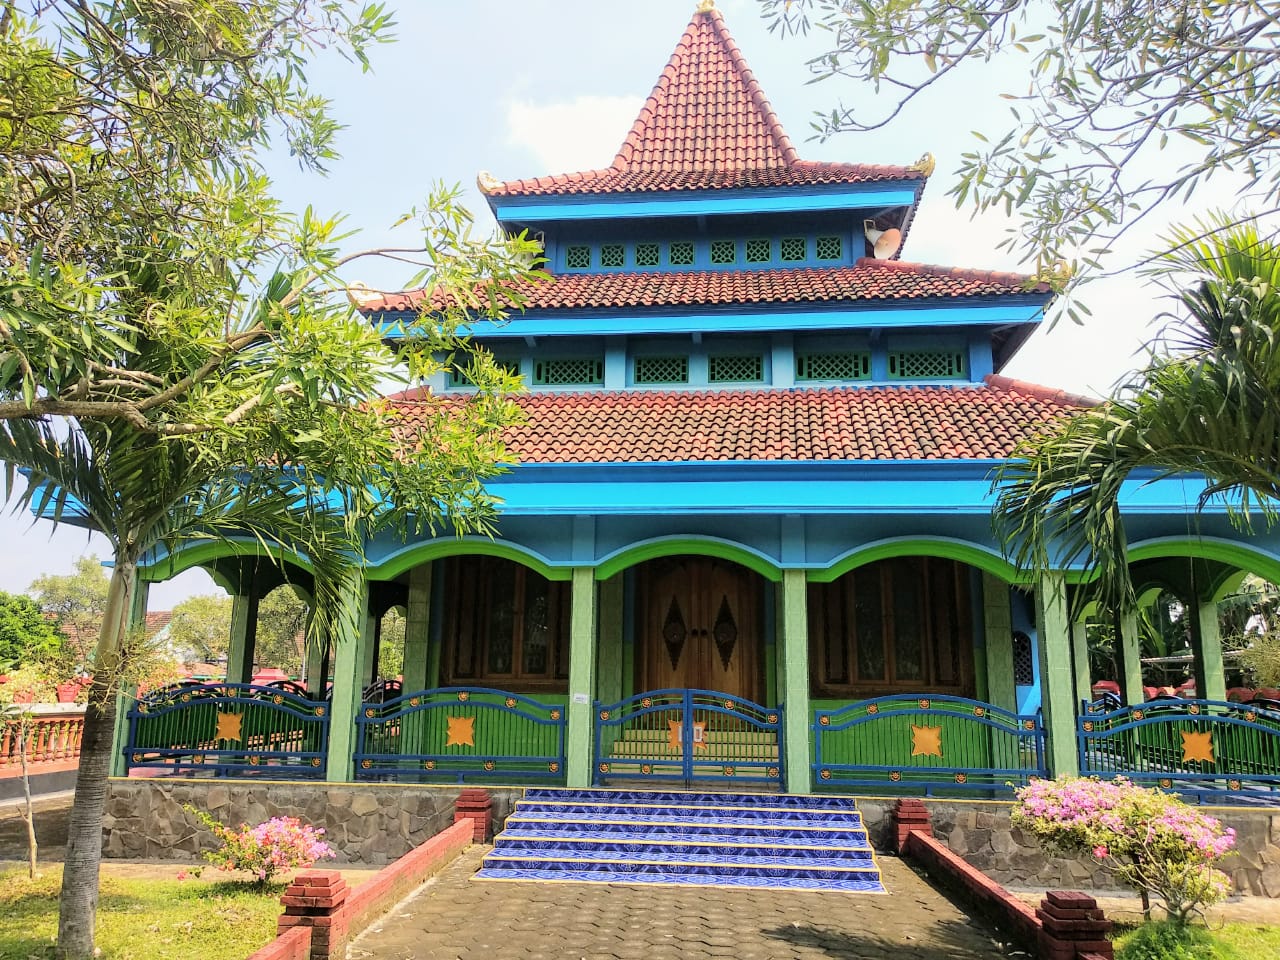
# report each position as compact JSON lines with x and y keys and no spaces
{"x":725,"y":632}
{"x":674,"y":633}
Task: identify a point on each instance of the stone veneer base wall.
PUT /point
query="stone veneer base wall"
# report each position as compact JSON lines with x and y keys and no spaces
{"x":367,"y":824}
{"x":980,"y":832}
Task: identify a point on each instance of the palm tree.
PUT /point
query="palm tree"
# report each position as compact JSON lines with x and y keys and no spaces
{"x":1206,"y":403}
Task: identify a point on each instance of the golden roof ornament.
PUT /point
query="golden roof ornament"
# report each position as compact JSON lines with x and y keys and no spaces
{"x":705,"y":6}
{"x":487,"y":182}
{"x":924,"y":166}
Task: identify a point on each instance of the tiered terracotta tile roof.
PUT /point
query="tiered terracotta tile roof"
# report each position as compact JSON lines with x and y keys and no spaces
{"x":838,"y":423}
{"x":866,"y":280}
{"x":706,"y":125}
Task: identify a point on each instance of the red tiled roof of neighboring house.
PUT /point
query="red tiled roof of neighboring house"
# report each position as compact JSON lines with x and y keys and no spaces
{"x":156,"y":621}
{"x":832,"y":423}
{"x":867,"y":279}
{"x":706,"y":125}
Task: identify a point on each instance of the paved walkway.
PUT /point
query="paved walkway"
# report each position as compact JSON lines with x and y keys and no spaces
{"x":456,"y":918}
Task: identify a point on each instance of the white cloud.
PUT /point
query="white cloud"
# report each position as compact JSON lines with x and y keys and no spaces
{"x":579,"y":134}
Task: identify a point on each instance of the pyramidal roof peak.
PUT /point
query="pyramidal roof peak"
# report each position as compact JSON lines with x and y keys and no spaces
{"x":707,"y":124}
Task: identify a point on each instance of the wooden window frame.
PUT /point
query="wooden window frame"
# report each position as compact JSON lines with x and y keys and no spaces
{"x":831,"y":629}
{"x":470,"y":602}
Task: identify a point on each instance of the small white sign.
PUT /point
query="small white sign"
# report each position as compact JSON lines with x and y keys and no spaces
{"x":581,"y":698}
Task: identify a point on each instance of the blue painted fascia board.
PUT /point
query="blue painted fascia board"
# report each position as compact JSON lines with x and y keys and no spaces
{"x":694,"y":203}
{"x":765,"y":318}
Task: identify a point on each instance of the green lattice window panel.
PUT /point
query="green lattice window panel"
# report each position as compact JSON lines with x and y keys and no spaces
{"x":793,"y":249}
{"x":926,"y":364}
{"x":845,"y":365}
{"x":680,"y":253}
{"x":613,"y":255}
{"x":759,"y":251}
{"x":577,"y":257}
{"x":647,"y":255}
{"x":568,"y":372}
{"x":724,"y":252}
{"x":460,"y":378}
{"x":735,"y":368}
{"x":662,"y":370}
{"x":830,"y":248}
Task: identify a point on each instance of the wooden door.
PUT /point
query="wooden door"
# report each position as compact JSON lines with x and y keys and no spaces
{"x":699,"y":623}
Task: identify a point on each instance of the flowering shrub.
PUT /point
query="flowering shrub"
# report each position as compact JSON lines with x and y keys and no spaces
{"x":1149,"y":840}
{"x":278,"y":844}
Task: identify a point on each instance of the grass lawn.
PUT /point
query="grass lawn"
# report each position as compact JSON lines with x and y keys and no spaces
{"x":141,"y":919}
{"x":1233,"y":941}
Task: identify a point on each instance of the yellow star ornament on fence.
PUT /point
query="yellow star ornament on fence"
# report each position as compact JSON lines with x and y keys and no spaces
{"x":229,"y":727}
{"x":461,"y":733}
{"x":1197,"y":746}
{"x":926,"y":741}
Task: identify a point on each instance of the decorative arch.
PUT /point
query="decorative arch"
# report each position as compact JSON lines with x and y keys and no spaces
{"x":206,"y":552}
{"x":945,"y":548}
{"x":419,"y":553}
{"x":1237,"y":556}
{"x":637,"y":553}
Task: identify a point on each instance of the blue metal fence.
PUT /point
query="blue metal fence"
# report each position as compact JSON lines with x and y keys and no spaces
{"x":460,"y":735}
{"x":230,"y":728}
{"x":926,"y":743}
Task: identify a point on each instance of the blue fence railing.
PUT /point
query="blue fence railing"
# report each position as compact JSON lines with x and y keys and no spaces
{"x":1206,"y":749}
{"x":687,"y":735}
{"x":230,"y":728}
{"x":461,"y":735}
{"x":926,"y":743}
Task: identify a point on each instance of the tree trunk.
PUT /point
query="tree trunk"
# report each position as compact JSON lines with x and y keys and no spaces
{"x":78,"y":906}
{"x":24,"y":747}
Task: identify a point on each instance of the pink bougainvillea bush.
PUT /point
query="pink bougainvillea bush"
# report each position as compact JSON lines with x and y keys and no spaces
{"x":1149,"y":840}
{"x":272,"y":847}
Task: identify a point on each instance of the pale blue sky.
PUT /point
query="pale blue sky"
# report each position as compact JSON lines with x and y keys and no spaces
{"x":549,"y":86}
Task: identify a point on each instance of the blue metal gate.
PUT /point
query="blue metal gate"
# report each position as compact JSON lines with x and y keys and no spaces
{"x":687,"y":735}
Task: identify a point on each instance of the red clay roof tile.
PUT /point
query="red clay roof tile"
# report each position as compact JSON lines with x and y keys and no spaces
{"x":837,"y":423}
{"x":706,"y":125}
{"x":866,"y":280}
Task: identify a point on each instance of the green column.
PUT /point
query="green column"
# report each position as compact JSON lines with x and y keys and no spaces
{"x":1206,"y":640}
{"x":244,"y":630}
{"x":125,"y":695}
{"x":1057,"y":691}
{"x":998,"y":623}
{"x":417,"y":628}
{"x":582,"y":668}
{"x":1080,"y":662}
{"x":354,"y":636}
{"x":609,"y":657}
{"x":1130,"y":658}
{"x":793,"y":641}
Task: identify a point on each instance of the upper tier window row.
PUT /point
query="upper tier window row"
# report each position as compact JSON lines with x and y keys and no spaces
{"x":695,"y":254}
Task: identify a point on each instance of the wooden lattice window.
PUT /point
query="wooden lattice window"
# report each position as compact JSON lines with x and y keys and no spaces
{"x":504,"y":622}
{"x":926,"y":364}
{"x":793,"y":249}
{"x":724,"y":252}
{"x":662,"y":370}
{"x":613,"y":256}
{"x":830,"y":248}
{"x":680,"y":253}
{"x":647,"y":255}
{"x":735,"y":368}
{"x":896,"y":625}
{"x":577,"y":257}
{"x":1024,"y":668}
{"x":568,"y":372}
{"x":838,"y":365}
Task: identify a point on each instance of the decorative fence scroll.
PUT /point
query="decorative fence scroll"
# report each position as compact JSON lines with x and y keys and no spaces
{"x":231,"y":728}
{"x":1204,"y":748}
{"x":926,"y":743}
{"x":461,"y":735}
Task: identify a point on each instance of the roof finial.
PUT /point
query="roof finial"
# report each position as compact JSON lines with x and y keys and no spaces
{"x":705,"y":6}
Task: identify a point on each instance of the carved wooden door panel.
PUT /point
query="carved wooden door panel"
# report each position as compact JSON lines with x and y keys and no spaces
{"x":699,"y":622}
